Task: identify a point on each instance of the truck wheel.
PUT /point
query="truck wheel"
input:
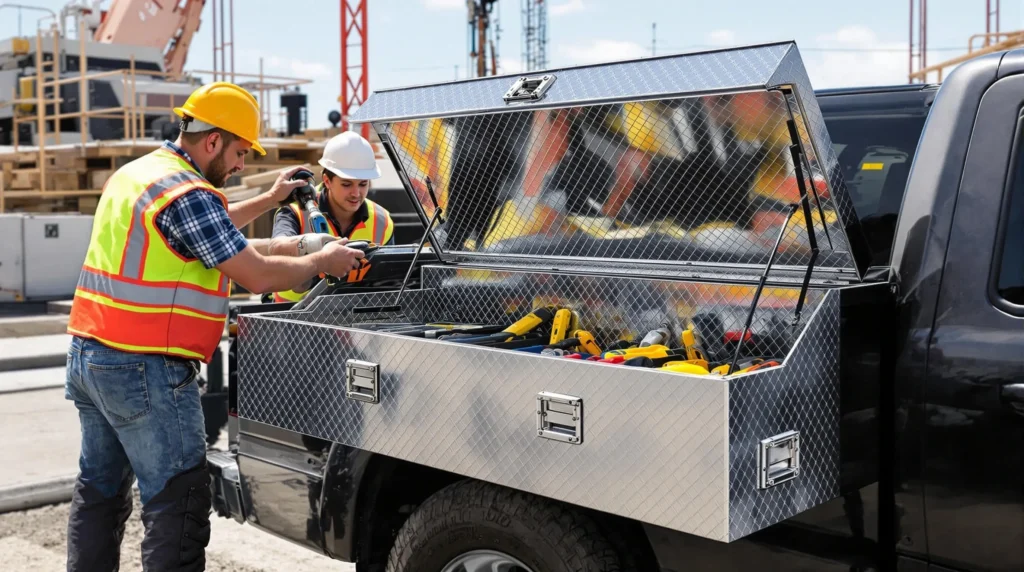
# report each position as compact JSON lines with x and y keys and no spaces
{"x":477,"y":527}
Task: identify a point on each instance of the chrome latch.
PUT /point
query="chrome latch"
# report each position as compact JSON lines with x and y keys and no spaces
{"x":560,"y":417}
{"x":362,"y":381}
{"x":778,"y":459}
{"x":528,"y":88}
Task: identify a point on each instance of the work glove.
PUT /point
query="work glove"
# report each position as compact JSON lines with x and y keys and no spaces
{"x":313,"y":242}
{"x":359,"y":273}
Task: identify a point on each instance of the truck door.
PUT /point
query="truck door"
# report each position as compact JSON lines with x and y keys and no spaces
{"x":974,"y":396}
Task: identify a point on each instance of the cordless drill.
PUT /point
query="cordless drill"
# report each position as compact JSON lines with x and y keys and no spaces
{"x":306,"y":197}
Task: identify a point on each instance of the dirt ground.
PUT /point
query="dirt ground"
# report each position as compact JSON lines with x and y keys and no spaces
{"x":36,"y":541}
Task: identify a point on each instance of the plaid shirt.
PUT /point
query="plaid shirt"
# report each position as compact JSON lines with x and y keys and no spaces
{"x":197,"y":225}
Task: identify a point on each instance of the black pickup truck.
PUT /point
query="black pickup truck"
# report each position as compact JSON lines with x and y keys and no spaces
{"x":932,"y":393}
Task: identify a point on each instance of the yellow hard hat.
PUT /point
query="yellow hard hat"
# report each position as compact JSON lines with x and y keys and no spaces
{"x":228,"y":106}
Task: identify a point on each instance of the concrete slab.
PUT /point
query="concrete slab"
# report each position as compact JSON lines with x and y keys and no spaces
{"x":31,"y":379}
{"x":45,"y":325}
{"x":34,"y":352}
{"x":42,"y":437}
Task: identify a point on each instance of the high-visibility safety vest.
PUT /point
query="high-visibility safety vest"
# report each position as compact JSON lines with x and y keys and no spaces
{"x":377,"y":228}
{"x":135,"y":293}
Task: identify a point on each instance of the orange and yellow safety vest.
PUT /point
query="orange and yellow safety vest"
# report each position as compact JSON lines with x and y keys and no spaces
{"x":377,"y":228}
{"x":135,"y":293}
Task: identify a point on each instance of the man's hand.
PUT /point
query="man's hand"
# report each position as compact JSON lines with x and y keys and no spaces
{"x":337,"y":259}
{"x":244,"y":212}
{"x":312,"y":243}
{"x":283,"y":188}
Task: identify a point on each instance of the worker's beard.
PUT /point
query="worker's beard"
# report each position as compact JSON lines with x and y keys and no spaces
{"x":218,"y":172}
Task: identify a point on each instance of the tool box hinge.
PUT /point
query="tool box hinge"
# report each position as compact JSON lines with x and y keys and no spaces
{"x":778,"y":459}
{"x":362,"y":381}
{"x":560,"y":417}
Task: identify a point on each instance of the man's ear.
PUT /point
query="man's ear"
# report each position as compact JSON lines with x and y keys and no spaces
{"x":213,"y":142}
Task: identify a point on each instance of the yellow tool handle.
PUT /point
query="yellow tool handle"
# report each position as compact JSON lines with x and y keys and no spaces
{"x":693,"y":352}
{"x":560,"y":325}
{"x":685,"y":367}
{"x":652,"y":351}
{"x":530,"y":321}
{"x":587,"y":342}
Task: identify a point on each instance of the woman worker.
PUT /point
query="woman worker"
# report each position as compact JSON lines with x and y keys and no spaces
{"x":348,"y":166}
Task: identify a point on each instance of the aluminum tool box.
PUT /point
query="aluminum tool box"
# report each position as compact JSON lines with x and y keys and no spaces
{"x":685,"y":189}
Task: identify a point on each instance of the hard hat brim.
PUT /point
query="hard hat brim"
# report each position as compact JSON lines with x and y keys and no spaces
{"x":255,"y":144}
{"x":357,"y":174}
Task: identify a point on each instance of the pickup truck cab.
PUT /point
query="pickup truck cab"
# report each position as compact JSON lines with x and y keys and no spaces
{"x":931,"y":401}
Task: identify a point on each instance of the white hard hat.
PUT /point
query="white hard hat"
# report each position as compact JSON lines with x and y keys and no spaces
{"x":350,"y":156}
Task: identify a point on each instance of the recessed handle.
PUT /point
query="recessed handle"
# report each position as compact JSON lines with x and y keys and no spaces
{"x":778,"y":459}
{"x":362,"y":381}
{"x":529,"y":88}
{"x":560,"y":417}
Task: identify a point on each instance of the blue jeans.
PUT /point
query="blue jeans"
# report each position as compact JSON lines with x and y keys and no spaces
{"x":139,"y":414}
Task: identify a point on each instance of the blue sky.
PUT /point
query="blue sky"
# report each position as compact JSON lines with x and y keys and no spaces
{"x":843,"y":42}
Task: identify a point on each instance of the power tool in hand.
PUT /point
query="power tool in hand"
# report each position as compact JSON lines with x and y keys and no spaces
{"x":305,"y":195}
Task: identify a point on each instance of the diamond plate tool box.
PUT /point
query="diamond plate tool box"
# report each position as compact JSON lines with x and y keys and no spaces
{"x":696,"y":193}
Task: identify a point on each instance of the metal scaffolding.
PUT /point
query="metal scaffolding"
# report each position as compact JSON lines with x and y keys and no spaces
{"x":535,"y":35}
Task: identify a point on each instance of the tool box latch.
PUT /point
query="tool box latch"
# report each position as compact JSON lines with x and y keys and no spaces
{"x":778,"y":459}
{"x":362,"y":381}
{"x":560,"y":417}
{"x":529,"y":88}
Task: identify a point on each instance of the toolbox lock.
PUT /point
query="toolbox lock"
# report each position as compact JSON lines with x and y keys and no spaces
{"x":529,"y":88}
{"x":560,"y":417}
{"x":778,"y":459}
{"x":362,"y":381}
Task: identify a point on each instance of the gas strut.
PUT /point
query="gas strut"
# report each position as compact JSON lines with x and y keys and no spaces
{"x":397,"y":307}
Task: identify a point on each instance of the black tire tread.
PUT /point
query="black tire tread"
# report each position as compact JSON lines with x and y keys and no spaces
{"x":572,"y":533}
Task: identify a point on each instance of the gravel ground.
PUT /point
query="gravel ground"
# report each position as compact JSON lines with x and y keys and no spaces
{"x":36,"y":541}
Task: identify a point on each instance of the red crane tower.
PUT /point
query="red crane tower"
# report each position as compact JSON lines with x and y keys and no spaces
{"x":354,"y":71}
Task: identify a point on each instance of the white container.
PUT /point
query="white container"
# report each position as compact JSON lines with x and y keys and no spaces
{"x":41,"y":256}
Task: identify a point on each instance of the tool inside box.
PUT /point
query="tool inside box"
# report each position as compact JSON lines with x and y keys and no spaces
{"x":617,"y":311}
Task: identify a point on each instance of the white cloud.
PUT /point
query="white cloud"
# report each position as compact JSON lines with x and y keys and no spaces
{"x":276,"y":65}
{"x":510,"y":65}
{"x":602,"y":51}
{"x":867,"y":60}
{"x":722,"y":38}
{"x":569,"y":7}
{"x":444,"y":4}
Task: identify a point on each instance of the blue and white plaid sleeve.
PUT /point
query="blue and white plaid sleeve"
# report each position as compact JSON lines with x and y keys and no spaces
{"x":197,"y":226}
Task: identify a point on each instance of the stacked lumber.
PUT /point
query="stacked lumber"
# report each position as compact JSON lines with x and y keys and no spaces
{"x":72,"y":176}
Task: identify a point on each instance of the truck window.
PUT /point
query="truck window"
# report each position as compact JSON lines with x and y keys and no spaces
{"x":1010,"y":249}
{"x":875,"y":153}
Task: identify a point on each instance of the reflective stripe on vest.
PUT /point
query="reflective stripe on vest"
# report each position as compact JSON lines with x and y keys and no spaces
{"x":377,"y":227}
{"x":135,"y":292}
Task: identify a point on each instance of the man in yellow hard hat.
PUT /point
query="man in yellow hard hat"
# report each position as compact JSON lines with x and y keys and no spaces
{"x":349,"y":165}
{"x":150,"y":304}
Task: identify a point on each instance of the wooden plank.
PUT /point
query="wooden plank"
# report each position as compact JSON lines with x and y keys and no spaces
{"x":87,"y":205}
{"x":98,"y":177}
{"x":51,"y":194}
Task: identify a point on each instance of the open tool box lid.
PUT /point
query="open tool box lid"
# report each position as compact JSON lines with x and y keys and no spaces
{"x":683,"y":165}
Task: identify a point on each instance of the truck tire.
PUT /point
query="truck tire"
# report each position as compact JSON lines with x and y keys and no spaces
{"x":487,"y":527}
